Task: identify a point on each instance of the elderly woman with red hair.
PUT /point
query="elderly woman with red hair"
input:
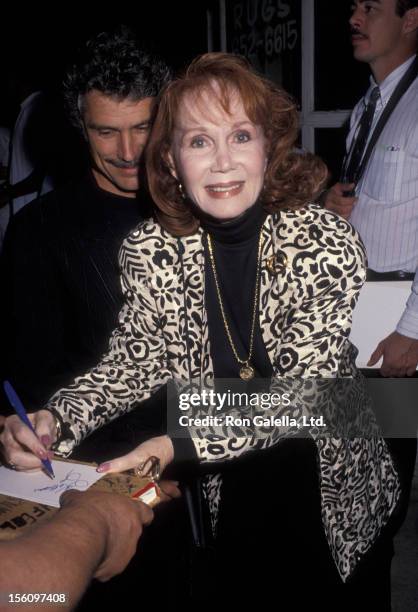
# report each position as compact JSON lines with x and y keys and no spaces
{"x":240,"y":276}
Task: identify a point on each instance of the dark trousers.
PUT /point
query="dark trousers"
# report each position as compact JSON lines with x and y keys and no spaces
{"x":403,"y":449}
{"x":271,"y":542}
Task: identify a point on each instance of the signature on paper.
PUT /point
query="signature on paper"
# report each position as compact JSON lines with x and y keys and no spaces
{"x":72,"y":480}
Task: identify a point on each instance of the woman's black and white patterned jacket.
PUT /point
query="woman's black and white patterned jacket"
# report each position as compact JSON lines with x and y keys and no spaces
{"x":305,"y":316}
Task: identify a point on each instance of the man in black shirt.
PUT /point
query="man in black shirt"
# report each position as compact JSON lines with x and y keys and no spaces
{"x":60,"y":274}
{"x":61,"y":292}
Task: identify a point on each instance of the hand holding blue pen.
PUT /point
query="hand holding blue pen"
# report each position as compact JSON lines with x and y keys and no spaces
{"x":21,"y":413}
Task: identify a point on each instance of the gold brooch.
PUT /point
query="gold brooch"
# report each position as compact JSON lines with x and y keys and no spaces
{"x":277,"y":263}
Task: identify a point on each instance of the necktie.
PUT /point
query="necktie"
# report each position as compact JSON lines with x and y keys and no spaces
{"x":352,"y":165}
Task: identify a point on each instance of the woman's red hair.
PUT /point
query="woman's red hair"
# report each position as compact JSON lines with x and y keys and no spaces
{"x":292,"y":178}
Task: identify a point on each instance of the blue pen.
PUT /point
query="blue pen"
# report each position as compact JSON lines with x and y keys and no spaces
{"x":21,"y":413}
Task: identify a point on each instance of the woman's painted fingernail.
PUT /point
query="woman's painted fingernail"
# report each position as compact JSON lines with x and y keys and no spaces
{"x":103,"y":467}
{"x":46,"y":440}
{"x":42,"y":454}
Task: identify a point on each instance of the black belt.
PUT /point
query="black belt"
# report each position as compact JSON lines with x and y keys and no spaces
{"x":395,"y":275}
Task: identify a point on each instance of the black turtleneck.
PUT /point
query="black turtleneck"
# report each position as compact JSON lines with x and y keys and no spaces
{"x":235,"y":247}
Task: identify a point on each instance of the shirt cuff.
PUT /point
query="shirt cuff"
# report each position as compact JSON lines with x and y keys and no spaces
{"x":408,"y":324}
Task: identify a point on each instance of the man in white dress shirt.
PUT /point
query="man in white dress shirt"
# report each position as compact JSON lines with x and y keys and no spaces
{"x":380,"y":198}
{"x":384,"y":208}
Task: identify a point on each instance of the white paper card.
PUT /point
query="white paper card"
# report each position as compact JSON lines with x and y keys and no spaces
{"x":39,"y":487}
{"x":376,"y":315}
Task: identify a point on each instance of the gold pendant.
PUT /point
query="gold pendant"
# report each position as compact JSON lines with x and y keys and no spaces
{"x":246,"y":372}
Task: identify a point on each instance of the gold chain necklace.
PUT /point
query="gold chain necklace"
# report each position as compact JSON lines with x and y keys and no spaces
{"x":247,"y":370}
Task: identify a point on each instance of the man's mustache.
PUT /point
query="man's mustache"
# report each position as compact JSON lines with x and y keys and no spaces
{"x":356,"y":32}
{"x":124,"y":164}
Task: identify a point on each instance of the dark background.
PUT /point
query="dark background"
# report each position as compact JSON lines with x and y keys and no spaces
{"x":43,"y":45}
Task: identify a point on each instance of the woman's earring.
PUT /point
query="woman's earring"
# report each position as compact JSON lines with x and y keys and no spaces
{"x":183,"y":195}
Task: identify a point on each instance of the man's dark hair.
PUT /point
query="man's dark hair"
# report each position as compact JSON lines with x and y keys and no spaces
{"x":404,"y":5}
{"x":114,"y":64}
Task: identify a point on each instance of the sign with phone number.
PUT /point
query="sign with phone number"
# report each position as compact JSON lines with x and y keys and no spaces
{"x":266,"y":27}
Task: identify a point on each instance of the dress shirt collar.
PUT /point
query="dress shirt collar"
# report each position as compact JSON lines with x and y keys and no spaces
{"x":387,"y":86}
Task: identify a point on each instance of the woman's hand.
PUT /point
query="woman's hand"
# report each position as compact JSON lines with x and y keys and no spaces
{"x":21,"y":448}
{"x":160,"y":447}
{"x":169,"y":489}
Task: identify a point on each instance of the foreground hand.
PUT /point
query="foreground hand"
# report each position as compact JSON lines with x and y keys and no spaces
{"x":400,"y":355}
{"x":120,"y":521}
{"x":21,"y":447}
{"x":337,"y":202}
{"x":160,"y":447}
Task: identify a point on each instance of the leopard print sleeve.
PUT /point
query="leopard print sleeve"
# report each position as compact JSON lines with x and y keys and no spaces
{"x":328,"y":273}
